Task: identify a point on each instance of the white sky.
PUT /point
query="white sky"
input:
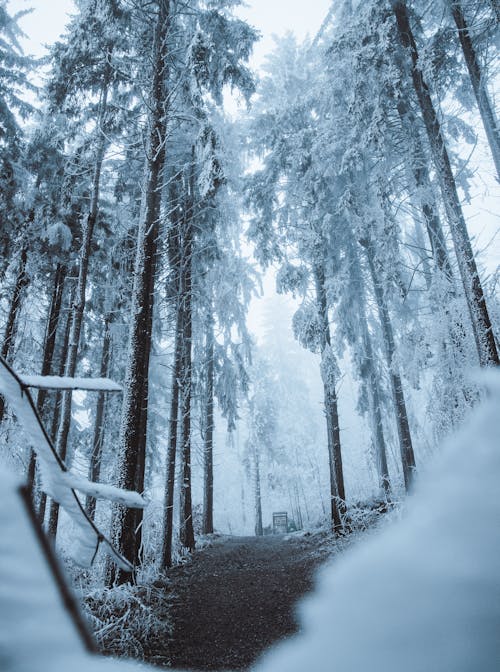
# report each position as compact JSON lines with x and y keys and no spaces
{"x":276,"y":17}
{"x":270,"y":17}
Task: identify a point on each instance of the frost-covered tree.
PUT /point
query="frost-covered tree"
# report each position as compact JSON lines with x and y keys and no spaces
{"x":14,"y":229}
{"x":14,"y":84}
{"x":210,"y":48}
{"x":475,"y":67}
{"x":84,"y":78}
{"x":261,"y":442}
{"x":476,"y":301}
{"x":289,"y":203}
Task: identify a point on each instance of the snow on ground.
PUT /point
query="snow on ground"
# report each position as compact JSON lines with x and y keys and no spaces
{"x":33,"y":621}
{"x":36,"y":634}
{"x":423,"y":595}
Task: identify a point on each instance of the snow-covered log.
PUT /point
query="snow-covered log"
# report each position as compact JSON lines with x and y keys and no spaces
{"x":66,"y":383}
{"x":57,"y":480}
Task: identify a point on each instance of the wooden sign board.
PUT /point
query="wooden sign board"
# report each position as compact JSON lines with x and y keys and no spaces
{"x":280,"y":522}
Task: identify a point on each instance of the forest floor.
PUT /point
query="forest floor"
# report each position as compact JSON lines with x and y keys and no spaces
{"x":236,"y":598}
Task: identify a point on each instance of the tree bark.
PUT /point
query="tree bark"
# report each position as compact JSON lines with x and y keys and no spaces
{"x":483,"y":332}
{"x":375,"y":406}
{"x":257,"y":493}
{"x":370,"y":374}
{"x":186,"y":531}
{"x":54,"y":506}
{"x":337,"y":490}
{"x":134,"y":413}
{"x":478,"y":83}
{"x":11,"y":325}
{"x":48,"y":356}
{"x":174,"y":257}
{"x":172,"y":448}
{"x":99,"y":426}
{"x":405,"y":442}
{"x":78,"y":308}
{"x":208,"y":458}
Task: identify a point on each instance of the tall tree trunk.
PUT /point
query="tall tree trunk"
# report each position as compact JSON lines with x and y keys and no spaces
{"x":485,"y":339}
{"x":140,"y":467}
{"x":337,"y":490}
{"x":11,"y":325}
{"x":99,"y":426}
{"x":422,"y":181}
{"x":257,"y":493}
{"x":299,"y":521}
{"x":208,"y":457}
{"x":478,"y":83}
{"x":54,"y":507}
{"x":375,"y":407}
{"x":370,"y":373}
{"x":420,"y":173}
{"x":48,"y":355}
{"x":132,"y":431}
{"x":186,"y":531}
{"x":172,"y":447}
{"x":405,"y":442}
{"x":174,"y":240}
{"x":79,"y":299}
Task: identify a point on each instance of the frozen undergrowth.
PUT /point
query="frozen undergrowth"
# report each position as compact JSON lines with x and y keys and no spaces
{"x":126,"y":620}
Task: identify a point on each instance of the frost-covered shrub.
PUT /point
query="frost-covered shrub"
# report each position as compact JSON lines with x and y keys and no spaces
{"x":128,"y":620}
{"x":365,"y":515}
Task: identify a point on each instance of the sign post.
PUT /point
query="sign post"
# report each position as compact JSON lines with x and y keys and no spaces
{"x":280,"y":522}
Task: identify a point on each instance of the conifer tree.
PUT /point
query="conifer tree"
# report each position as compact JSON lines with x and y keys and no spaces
{"x":481,"y":323}
{"x":103,"y":23}
{"x":477,"y":79}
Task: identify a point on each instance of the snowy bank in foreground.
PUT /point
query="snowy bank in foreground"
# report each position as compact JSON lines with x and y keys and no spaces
{"x":36,"y":633}
{"x":424,"y":594}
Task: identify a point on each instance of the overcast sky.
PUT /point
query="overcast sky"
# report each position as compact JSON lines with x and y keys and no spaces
{"x":48,"y":19}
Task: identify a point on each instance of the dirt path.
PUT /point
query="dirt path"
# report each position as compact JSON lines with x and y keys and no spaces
{"x":237,"y":598}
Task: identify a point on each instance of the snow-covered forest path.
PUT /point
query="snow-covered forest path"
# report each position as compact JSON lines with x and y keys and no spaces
{"x":238,"y":597}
